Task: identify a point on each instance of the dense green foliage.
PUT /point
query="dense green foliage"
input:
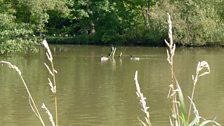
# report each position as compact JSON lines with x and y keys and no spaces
{"x":23,"y":21}
{"x":140,"y":22}
{"x":195,"y":22}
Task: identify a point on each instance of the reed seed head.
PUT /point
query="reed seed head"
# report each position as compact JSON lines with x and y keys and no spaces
{"x":48,"y":53}
{"x":49,"y":114}
{"x":142,"y":99}
{"x":203,"y":65}
{"x":11,"y":66}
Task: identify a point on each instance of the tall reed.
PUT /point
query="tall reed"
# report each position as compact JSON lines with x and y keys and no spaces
{"x":142,"y":102}
{"x":51,"y":82}
{"x":170,"y":58}
{"x":179,"y":115}
{"x":201,"y":65}
{"x":52,"y":79}
{"x":31,"y":100}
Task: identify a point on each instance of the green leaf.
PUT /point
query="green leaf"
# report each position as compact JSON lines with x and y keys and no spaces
{"x":182,"y":104}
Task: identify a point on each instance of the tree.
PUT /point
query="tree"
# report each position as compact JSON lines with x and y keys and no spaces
{"x":144,"y":7}
{"x":14,"y":36}
{"x":194,"y":22}
{"x":22,"y":20}
{"x":36,"y":12}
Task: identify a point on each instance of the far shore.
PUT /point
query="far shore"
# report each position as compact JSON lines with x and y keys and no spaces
{"x":142,"y":42}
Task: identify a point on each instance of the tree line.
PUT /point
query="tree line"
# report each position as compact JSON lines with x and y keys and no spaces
{"x":24,"y":22}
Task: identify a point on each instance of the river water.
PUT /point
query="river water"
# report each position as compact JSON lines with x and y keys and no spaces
{"x":95,"y":93}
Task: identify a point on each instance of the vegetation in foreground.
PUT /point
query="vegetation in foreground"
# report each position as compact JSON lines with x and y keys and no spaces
{"x":24,"y":22}
{"x":179,"y":115}
{"x":51,"y":82}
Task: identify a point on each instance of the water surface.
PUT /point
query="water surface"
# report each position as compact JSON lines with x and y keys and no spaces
{"x":95,"y":93}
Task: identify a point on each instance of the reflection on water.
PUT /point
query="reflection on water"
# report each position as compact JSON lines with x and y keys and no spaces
{"x":95,"y":93}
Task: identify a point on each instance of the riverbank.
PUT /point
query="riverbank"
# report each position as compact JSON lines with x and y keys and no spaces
{"x":84,"y":40}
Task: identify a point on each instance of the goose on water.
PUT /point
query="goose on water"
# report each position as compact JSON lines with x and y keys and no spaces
{"x":134,"y":58}
{"x":104,"y":58}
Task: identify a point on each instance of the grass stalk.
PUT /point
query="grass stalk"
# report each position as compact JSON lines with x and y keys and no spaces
{"x":31,"y":100}
{"x":180,"y":116}
{"x":201,"y":70}
{"x":52,"y":72}
{"x":49,"y":114}
{"x":142,"y":102}
{"x":51,"y":82}
{"x":56,"y":109}
{"x":55,"y":93}
{"x":170,"y":58}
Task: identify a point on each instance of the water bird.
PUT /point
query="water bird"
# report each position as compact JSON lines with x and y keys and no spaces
{"x":134,"y":58}
{"x":110,"y":55}
{"x":104,"y":58}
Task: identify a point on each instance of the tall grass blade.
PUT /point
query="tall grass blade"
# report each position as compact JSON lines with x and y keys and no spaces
{"x":49,"y":70}
{"x":52,"y":81}
{"x":32,"y":107}
{"x":201,"y":70}
{"x":194,"y":121}
{"x":197,"y":117}
{"x":31,"y":100}
{"x":142,"y":101}
{"x":49,"y":114}
{"x":143,"y":123}
{"x":183,"y":111}
{"x":173,"y":88}
{"x":210,"y":121}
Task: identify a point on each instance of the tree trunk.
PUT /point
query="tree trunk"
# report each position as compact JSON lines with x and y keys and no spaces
{"x":146,"y":15}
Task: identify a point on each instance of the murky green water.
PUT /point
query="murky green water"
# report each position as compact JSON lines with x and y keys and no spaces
{"x":95,"y":93}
